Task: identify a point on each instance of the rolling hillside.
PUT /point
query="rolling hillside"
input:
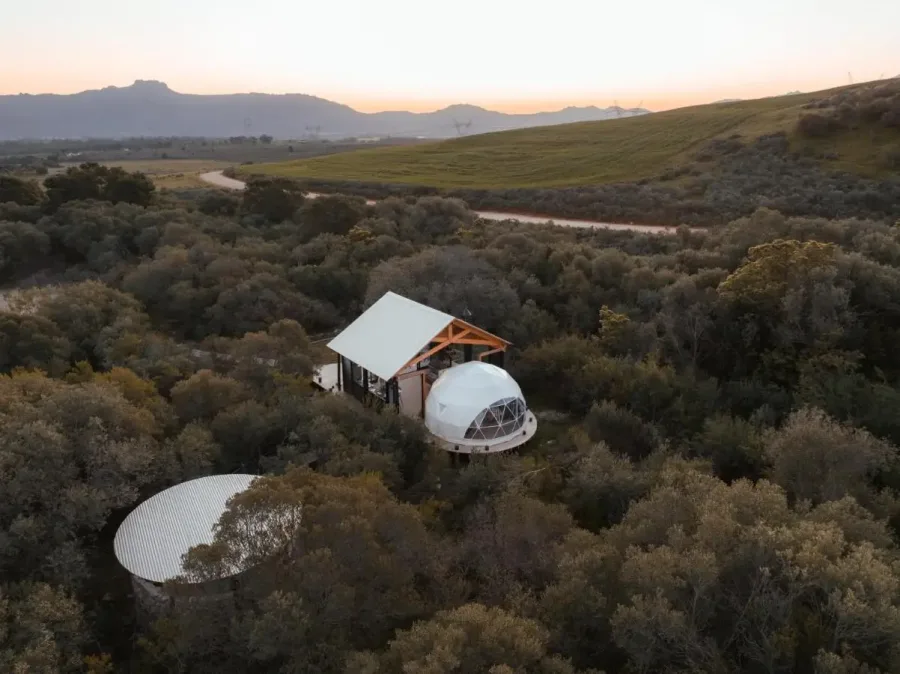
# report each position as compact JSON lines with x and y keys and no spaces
{"x":591,"y":153}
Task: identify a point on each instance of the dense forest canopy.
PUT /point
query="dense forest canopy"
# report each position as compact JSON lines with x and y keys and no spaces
{"x":714,"y":485}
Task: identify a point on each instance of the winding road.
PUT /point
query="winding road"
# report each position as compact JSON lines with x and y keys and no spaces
{"x":218,"y":179}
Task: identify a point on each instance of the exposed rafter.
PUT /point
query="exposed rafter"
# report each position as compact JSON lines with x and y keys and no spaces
{"x":460,"y":332}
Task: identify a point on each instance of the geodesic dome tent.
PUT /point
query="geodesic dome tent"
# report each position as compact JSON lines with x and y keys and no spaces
{"x":478,"y":407}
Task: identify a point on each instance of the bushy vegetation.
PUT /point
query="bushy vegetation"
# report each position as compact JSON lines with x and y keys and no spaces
{"x":729,"y":179}
{"x":704,"y":165}
{"x":722,"y":497}
{"x":853,"y":108}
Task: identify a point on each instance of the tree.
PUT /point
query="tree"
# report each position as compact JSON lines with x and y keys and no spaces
{"x":195,"y":452}
{"x":33,"y":342}
{"x":71,"y":454}
{"x":621,"y":430}
{"x":275,"y":199}
{"x":261,"y":358}
{"x":790,"y":299}
{"x":511,"y":545}
{"x":815,"y":458}
{"x":686,"y":318}
{"x":471,"y":638}
{"x":344,"y":565}
{"x":330,"y":214}
{"x":93,"y":181}
{"x":217,"y":202}
{"x":450,"y":279}
{"x":91,"y":315}
{"x":601,"y":486}
{"x":773,"y":268}
{"x":341,"y":435}
{"x":22,"y":245}
{"x":616,"y":332}
{"x":19,"y":191}
{"x":253,"y":304}
{"x":433,"y":218}
{"x":130,"y":188}
{"x":42,"y":630}
{"x":733,"y":445}
{"x":246,"y":431}
{"x":205,"y":395}
{"x":703,"y":576}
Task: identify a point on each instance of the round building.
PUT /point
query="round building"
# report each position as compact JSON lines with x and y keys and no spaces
{"x":476,"y":408}
{"x":153,"y":539}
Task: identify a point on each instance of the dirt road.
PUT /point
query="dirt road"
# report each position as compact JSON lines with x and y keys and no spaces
{"x":218,"y":179}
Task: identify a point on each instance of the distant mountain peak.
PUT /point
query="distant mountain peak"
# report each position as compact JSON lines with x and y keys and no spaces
{"x":463,"y":107}
{"x":143,"y":87}
{"x":151,"y":108}
{"x":150,"y":84}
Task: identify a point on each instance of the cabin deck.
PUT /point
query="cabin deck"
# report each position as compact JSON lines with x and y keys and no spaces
{"x":326,"y":377}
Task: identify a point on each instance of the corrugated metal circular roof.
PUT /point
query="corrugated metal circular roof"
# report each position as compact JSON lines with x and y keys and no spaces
{"x":151,"y":541}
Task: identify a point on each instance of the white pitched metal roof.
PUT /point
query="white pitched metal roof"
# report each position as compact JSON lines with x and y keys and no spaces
{"x":152,"y":540}
{"x":389,"y":334}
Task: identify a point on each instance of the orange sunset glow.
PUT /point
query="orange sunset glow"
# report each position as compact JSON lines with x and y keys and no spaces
{"x":493,"y":54}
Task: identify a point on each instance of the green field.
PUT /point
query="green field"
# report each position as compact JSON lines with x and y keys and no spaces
{"x":167,"y":173}
{"x":581,"y":154}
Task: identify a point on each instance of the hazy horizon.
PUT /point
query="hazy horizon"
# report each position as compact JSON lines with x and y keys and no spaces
{"x":521,"y":106}
{"x":491,"y":54}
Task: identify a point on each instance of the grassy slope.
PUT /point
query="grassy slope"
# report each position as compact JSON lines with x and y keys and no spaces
{"x":579,"y":154}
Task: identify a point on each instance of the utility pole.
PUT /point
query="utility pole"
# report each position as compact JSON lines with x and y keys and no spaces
{"x":460,"y":126}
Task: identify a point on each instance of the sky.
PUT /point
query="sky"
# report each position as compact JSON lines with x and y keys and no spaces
{"x":512,"y":55}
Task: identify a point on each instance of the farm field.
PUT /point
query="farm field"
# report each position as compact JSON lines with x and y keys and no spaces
{"x":169,"y":173}
{"x":587,"y":153}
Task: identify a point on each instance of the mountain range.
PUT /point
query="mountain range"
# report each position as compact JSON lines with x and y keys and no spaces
{"x":151,"y":108}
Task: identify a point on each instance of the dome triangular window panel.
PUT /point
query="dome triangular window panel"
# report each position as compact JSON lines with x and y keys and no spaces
{"x":475,"y":405}
{"x":501,"y":419}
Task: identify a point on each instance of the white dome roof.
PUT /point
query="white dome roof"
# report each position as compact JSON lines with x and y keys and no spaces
{"x":475,"y":403}
{"x":155,"y":536}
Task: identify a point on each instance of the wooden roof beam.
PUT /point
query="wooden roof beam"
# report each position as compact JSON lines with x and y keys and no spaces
{"x":461,"y":337}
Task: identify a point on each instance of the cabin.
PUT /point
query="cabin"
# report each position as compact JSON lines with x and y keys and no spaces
{"x":433,"y":366}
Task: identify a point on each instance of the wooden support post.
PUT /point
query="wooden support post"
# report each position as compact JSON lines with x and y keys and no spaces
{"x":340,"y":378}
{"x":393,"y":392}
{"x":500,"y":358}
{"x":488,"y":355}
